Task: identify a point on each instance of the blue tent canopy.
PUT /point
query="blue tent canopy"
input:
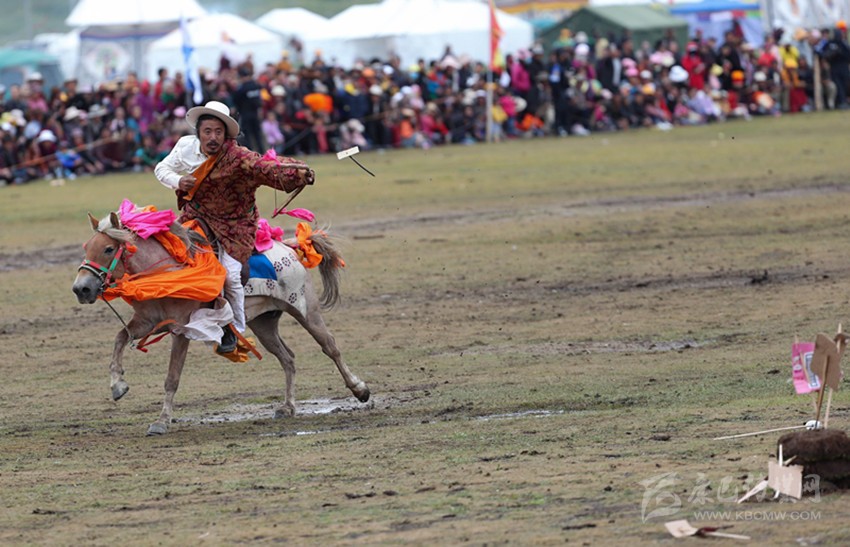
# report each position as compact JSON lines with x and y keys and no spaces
{"x":708,"y":6}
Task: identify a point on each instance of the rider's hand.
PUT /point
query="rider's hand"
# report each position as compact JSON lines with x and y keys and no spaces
{"x":186,"y":183}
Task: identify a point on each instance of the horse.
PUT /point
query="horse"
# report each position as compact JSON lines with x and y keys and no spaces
{"x":127,"y":254}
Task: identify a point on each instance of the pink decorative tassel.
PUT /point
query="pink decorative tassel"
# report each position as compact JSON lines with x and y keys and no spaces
{"x":145,"y":222}
{"x":266,"y":233}
{"x":303,"y":214}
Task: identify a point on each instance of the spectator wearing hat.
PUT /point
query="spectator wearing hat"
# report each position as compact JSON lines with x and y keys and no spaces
{"x":434,"y":129}
{"x":790,"y":85}
{"x":351,"y":134}
{"x":377,"y":132}
{"x":353,"y":100}
{"x":44,"y":154}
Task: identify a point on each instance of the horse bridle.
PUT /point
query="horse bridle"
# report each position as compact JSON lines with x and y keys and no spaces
{"x":104,"y":273}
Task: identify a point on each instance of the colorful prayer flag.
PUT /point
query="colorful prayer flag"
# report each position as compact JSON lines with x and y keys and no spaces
{"x":805,"y":381}
{"x":496,"y":34}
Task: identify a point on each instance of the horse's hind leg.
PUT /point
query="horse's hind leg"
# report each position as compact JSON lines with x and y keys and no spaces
{"x":265,"y":326}
{"x":179,"y":348}
{"x":315,"y":325}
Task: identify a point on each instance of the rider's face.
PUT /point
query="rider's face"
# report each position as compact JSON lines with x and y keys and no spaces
{"x":211,"y":133}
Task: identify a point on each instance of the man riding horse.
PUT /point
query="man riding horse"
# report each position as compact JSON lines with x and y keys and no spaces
{"x":216,"y":181}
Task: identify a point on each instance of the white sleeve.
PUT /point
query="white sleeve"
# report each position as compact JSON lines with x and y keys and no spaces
{"x":172,"y":167}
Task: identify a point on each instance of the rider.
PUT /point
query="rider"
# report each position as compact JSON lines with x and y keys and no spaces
{"x":216,"y":181}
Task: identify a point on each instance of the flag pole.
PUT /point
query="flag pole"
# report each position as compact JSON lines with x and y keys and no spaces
{"x":489,"y":104}
{"x":495,"y":37}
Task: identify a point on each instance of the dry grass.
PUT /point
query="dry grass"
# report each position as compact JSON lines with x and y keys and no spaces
{"x":545,"y":326}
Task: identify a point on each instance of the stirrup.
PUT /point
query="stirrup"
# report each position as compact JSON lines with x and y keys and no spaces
{"x":228,"y":341}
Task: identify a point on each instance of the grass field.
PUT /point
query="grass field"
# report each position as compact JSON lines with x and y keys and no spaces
{"x":553,"y":332}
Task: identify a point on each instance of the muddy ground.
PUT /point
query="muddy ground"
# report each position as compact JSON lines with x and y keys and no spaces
{"x":553,"y":333}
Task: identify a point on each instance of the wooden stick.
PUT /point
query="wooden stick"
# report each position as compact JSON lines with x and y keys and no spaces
{"x":820,"y":393}
{"x":291,"y":197}
{"x":759,"y":432}
{"x":826,"y":414}
{"x":724,"y":535}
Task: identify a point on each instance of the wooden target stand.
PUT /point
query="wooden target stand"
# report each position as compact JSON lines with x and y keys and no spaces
{"x":826,"y":364}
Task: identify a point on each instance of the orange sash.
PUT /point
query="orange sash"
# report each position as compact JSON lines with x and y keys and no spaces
{"x":201,"y":174}
{"x":197,"y":278}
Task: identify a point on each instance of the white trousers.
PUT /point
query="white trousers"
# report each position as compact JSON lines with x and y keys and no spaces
{"x":234,"y":292}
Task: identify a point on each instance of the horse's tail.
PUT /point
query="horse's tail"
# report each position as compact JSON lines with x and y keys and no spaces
{"x":329,"y":267}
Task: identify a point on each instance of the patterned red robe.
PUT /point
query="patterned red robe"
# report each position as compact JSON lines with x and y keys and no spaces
{"x":226,"y":199}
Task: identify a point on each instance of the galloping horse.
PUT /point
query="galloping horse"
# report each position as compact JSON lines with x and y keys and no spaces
{"x":126,"y":254}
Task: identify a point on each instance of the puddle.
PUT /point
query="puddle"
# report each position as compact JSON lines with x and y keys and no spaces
{"x":523,"y":414}
{"x":238,"y":412}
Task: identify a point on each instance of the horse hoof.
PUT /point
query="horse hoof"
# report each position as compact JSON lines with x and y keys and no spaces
{"x":361,"y":391}
{"x":157,"y":428}
{"x":285,"y":411}
{"x":119,"y":390}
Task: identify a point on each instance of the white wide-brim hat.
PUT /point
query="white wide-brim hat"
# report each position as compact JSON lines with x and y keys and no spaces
{"x":217,"y":109}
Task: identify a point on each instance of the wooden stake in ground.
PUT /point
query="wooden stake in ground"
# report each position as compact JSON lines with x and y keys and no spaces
{"x":826,"y":363}
{"x":682,"y":528}
{"x":785,"y":479}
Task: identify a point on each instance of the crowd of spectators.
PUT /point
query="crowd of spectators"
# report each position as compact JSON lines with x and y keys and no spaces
{"x":584,"y":84}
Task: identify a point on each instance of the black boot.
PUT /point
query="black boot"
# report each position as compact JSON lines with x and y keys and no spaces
{"x":228,"y":341}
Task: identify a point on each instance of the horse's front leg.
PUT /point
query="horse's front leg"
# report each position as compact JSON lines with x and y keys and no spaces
{"x":136,"y":328}
{"x":116,"y":370}
{"x":179,"y":349}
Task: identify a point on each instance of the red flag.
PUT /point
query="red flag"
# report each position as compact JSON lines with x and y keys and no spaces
{"x":495,"y":36}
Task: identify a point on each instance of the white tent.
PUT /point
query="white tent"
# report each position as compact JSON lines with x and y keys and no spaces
{"x":293,"y":25}
{"x":115,"y":35}
{"x":131,"y":12}
{"x":297,"y":22}
{"x":213,"y":35}
{"x":414,"y":29}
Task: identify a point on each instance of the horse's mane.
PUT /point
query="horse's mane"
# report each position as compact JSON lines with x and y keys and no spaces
{"x":192,"y":239}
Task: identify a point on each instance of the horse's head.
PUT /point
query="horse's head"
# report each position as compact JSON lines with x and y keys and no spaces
{"x":104,"y":260}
